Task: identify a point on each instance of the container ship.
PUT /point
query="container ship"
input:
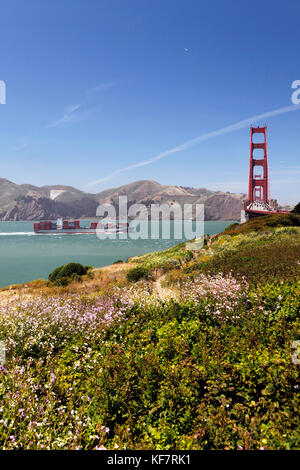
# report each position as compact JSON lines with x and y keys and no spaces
{"x":73,"y":226}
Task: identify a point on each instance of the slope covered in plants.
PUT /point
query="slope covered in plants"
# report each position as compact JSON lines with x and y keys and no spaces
{"x":117,"y":367}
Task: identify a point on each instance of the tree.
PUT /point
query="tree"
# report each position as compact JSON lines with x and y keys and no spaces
{"x":296,"y":209}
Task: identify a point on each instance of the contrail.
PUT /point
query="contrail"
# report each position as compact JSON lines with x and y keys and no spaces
{"x":200,"y":138}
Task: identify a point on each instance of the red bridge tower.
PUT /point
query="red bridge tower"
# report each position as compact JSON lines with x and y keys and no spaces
{"x":258,"y":180}
{"x":259,"y":202}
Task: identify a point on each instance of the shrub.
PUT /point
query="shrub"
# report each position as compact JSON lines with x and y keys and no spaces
{"x":296,"y":209}
{"x":135,"y":274}
{"x":67,"y":273}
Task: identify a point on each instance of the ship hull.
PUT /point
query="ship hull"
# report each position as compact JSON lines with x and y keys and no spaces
{"x":69,"y":227}
{"x":81,"y":231}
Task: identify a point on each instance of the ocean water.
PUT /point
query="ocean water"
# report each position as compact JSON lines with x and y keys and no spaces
{"x":25,"y":256}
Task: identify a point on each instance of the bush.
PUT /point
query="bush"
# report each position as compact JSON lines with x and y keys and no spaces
{"x":135,"y":274}
{"x":62,"y":281}
{"x":67,"y":273}
{"x":296,"y":209}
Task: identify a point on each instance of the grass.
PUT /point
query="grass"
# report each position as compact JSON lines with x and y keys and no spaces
{"x":261,"y":256}
{"x":165,"y":260}
{"x":258,"y":256}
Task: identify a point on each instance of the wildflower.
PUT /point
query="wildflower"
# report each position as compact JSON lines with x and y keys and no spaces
{"x":53,"y":378}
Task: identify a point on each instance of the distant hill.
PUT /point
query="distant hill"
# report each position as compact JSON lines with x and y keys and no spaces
{"x":28,"y":202}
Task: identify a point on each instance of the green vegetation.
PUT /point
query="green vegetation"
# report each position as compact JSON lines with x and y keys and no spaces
{"x":170,"y":378}
{"x":264,"y":223}
{"x":257,"y":255}
{"x":165,"y":260}
{"x":243,"y":250}
{"x":208,"y":367}
{"x":296,"y":209}
{"x":63,"y":275}
{"x":138,"y":273}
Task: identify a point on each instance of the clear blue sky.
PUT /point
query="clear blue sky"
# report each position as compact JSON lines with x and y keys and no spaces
{"x":98,"y":85}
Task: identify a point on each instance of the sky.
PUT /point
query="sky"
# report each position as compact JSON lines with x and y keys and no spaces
{"x":101,"y":93}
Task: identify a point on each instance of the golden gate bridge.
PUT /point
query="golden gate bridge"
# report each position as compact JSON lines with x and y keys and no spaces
{"x":259,"y":202}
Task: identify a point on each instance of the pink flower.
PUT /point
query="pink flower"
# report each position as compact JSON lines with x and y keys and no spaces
{"x":53,"y":378}
{"x":105,"y":429}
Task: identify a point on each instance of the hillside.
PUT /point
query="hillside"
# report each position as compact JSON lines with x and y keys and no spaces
{"x":27,"y":202}
{"x":261,"y":250}
{"x":172,"y":350}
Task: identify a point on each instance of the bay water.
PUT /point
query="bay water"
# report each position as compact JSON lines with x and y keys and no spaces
{"x":25,"y":256}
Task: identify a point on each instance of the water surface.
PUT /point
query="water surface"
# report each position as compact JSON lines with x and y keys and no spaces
{"x":25,"y":256}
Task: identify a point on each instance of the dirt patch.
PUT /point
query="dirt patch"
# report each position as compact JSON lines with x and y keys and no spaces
{"x":164,"y":293}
